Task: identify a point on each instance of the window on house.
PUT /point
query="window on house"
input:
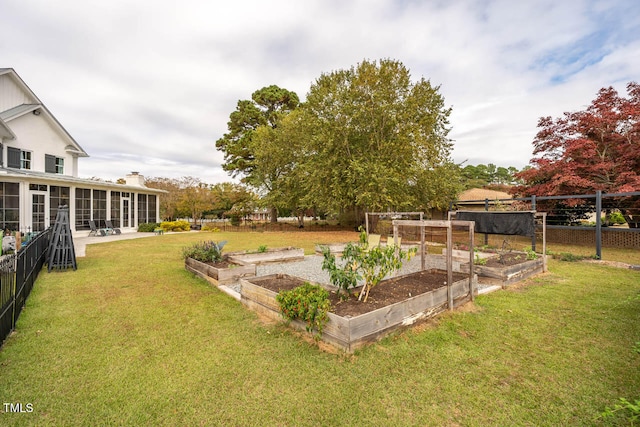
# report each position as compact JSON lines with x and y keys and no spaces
{"x":152,"y":209}
{"x":100,"y":207}
{"x":18,"y":159}
{"x":9,"y":205}
{"x":53,"y":164}
{"x":142,"y":209}
{"x":83,"y":208}
{"x":25,"y":159}
{"x":115,"y":208}
{"x":58,"y":196}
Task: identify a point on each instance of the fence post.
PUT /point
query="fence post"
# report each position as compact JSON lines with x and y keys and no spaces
{"x":533,"y":238}
{"x":598,"y":224}
{"x":486,"y":208}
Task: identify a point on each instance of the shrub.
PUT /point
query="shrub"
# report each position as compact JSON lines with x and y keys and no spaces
{"x":147,"y":227}
{"x":309,"y":303}
{"x":210,"y":226}
{"x":175,"y":226}
{"x":208,"y":251}
{"x":615,"y":218}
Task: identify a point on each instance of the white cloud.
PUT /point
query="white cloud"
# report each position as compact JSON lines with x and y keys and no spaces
{"x":149,"y":85}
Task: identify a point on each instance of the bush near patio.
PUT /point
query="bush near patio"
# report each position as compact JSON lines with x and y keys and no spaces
{"x":114,"y":343}
{"x":175,"y":225}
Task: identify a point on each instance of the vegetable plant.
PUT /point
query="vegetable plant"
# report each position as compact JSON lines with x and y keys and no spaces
{"x":309,"y":303}
{"x":360,"y":262}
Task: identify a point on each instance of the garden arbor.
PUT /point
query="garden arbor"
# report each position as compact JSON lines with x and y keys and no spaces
{"x":448,"y":226}
{"x":391,"y":215}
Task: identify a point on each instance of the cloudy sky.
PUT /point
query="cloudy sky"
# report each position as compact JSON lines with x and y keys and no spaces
{"x":148,"y":86}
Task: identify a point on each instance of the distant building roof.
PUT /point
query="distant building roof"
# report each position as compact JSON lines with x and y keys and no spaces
{"x":478,"y":195}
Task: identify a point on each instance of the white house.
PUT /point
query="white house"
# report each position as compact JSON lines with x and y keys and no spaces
{"x":39,"y":172}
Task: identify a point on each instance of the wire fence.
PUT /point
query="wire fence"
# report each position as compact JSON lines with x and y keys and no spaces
{"x":600,"y":219}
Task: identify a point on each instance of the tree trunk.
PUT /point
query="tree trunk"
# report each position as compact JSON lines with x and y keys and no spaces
{"x":633,"y":221}
{"x":273,"y":214}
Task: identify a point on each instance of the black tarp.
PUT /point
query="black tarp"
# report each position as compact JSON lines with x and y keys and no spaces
{"x":509,"y":223}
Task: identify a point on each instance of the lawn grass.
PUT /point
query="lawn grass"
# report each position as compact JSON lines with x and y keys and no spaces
{"x":131,"y":338}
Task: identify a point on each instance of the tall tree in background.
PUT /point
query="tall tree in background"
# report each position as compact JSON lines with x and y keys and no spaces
{"x":279,"y":161}
{"x":267,"y":107}
{"x":586,"y":151}
{"x":376,"y":141}
{"x":168,"y":201}
{"x":195,"y":197}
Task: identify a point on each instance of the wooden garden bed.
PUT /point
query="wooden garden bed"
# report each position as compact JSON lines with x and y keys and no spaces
{"x":223,"y":273}
{"x":270,"y":255}
{"x":349,"y":332}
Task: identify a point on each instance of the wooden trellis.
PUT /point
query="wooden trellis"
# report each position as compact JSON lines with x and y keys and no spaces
{"x":389,"y":214}
{"x":61,"y":253}
{"x":448,"y":225}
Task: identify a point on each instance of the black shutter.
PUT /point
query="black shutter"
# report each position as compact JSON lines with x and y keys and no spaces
{"x":13,"y":157}
{"x":49,"y":163}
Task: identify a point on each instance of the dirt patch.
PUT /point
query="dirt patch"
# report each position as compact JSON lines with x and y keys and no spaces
{"x":386,"y":293}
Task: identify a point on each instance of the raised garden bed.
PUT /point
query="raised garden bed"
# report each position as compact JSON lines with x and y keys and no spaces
{"x":510,"y":268}
{"x":270,"y":255}
{"x":223,"y":273}
{"x":334,"y":248}
{"x":395,"y":303}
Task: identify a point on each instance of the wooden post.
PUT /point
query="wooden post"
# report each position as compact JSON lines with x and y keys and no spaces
{"x":449,"y":265}
{"x":544,"y":242}
{"x":472,"y":225}
{"x":366,"y":223}
{"x":422,"y":249}
{"x":395,"y":237}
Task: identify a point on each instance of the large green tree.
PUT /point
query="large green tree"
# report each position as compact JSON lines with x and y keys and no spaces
{"x":375,"y":140}
{"x":266,"y":108}
{"x":280,"y":158}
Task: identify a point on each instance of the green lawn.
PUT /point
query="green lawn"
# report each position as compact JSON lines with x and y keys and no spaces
{"x":131,"y":338}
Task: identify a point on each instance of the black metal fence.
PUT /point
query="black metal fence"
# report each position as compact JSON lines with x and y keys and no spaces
{"x":565,"y":214}
{"x":18,"y":273}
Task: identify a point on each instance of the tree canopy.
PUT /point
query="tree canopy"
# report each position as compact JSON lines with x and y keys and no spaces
{"x":376,"y":141}
{"x":366,"y":138}
{"x":266,"y":108}
{"x":582,"y":152}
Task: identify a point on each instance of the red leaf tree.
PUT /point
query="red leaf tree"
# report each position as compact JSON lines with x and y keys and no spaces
{"x":586,"y":151}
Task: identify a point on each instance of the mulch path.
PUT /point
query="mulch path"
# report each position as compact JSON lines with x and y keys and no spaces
{"x":388,"y":292}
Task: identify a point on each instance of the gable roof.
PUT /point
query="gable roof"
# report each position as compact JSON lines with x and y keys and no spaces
{"x":480,"y":194}
{"x":37,"y":105}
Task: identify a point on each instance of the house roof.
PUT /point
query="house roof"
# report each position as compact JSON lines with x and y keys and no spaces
{"x":478,"y":195}
{"x":5,"y":131}
{"x":56,"y":179}
{"x":20,"y":110}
